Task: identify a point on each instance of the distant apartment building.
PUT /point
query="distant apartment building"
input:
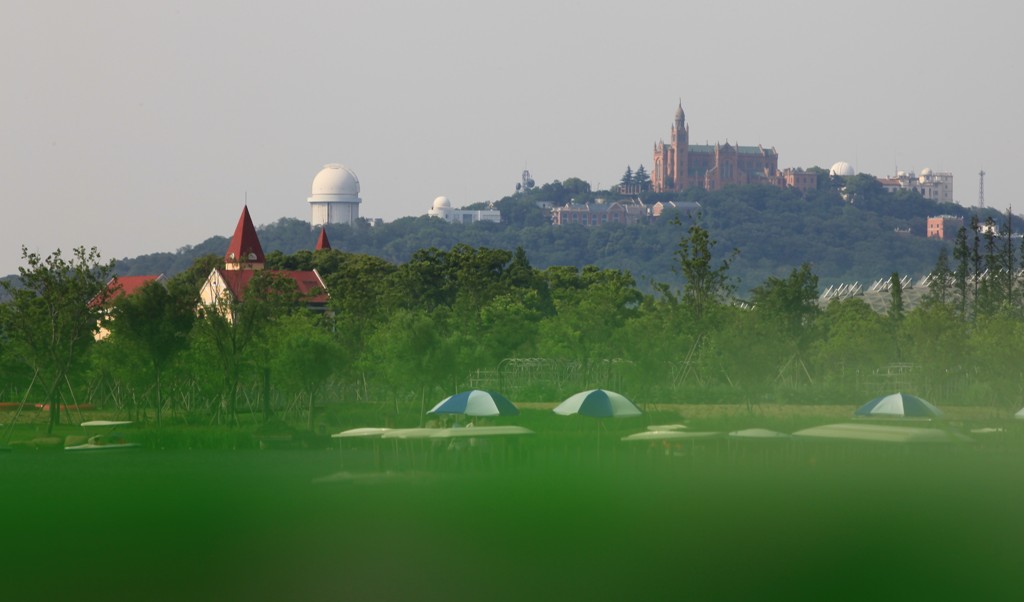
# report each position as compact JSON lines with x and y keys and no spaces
{"x":934,"y":186}
{"x":944,"y":227}
{"x":601,"y":212}
{"x":680,"y":165}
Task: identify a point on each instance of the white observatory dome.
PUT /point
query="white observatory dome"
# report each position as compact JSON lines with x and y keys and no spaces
{"x":442,"y":202}
{"x":335,"y":198}
{"x":335,"y":180}
{"x":841,"y":168}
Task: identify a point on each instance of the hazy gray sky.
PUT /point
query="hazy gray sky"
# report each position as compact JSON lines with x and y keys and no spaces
{"x":140,"y":127}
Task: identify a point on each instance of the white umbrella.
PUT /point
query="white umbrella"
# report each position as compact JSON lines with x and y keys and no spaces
{"x":599,"y":404}
{"x":476,"y":403}
{"x":898,"y":405}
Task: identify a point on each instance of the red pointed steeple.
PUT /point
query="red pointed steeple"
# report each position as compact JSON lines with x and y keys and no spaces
{"x":322,"y":242}
{"x":244,"y":252}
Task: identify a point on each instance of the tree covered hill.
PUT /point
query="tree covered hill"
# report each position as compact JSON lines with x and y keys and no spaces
{"x":774,"y":230}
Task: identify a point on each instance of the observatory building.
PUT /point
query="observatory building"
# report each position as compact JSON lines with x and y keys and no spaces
{"x":335,"y":196}
{"x":842,"y":169}
{"x":932,"y":185}
{"x":442,"y":208}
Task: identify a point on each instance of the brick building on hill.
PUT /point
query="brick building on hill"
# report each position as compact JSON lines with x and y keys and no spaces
{"x":680,"y":165}
{"x":626,"y":211}
{"x":944,"y":227}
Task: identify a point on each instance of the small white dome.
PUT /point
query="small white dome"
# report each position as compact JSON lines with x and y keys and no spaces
{"x":442,"y":202}
{"x":335,"y":180}
{"x":926,"y":172}
{"x":841,"y":168}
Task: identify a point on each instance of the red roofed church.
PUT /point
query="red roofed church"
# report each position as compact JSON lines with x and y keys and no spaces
{"x":243,"y":259}
{"x":244,"y":250}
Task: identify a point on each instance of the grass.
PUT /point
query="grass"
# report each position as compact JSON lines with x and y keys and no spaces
{"x":570,"y":513}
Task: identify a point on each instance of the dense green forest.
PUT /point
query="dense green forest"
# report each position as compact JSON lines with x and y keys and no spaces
{"x":774,"y":231}
{"x":450,"y":319}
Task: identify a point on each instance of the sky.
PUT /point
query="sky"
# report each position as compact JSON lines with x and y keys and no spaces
{"x":142,"y":127}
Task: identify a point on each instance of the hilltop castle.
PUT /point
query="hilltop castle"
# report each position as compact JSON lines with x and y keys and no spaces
{"x":679,"y":165}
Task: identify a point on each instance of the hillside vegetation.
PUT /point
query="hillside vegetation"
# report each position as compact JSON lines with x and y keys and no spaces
{"x":482,"y":317}
{"x":774,"y":231}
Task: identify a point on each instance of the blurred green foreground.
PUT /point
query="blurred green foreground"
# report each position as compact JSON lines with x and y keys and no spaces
{"x":545,"y":523}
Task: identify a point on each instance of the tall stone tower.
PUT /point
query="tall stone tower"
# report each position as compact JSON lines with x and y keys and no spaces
{"x":672,"y":161}
{"x":681,"y":150}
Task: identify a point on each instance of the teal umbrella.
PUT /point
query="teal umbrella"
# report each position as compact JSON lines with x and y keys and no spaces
{"x":476,"y":403}
{"x":898,"y":405}
{"x":599,"y":404}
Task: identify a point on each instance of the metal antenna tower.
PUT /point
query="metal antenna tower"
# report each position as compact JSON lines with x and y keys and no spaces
{"x":981,"y":189}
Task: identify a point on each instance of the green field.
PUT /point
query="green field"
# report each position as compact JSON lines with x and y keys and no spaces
{"x":570,"y":513}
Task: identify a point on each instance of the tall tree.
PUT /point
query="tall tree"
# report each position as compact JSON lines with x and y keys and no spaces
{"x":404,"y":354}
{"x":641,"y":179}
{"x":591,"y":305}
{"x":705,"y":284}
{"x":896,"y":298}
{"x":933,"y":338}
{"x":962,"y":272}
{"x":304,"y":356}
{"x":54,"y":313}
{"x":233,"y":327}
{"x":156,"y":323}
{"x":996,"y":344}
{"x":791,"y":304}
{"x":976,"y":263}
{"x":855,"y":340}
{"x":941,"y":281}
{"x":1009,"y":261}
{"x":627,"y":178}
{"x":476,"y":275}
{"x":990,"y":285}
